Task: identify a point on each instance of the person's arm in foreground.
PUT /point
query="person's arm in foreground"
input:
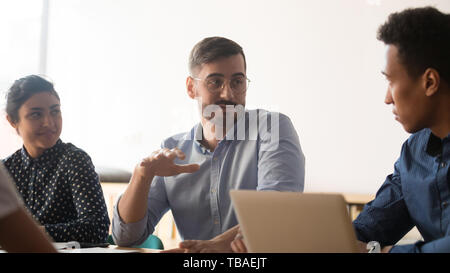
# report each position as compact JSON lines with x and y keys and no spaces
{"x":19,"y":233}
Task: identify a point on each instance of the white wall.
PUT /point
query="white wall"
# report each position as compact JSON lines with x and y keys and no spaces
{"x":19,"y":55}
{"x":120,"y":68}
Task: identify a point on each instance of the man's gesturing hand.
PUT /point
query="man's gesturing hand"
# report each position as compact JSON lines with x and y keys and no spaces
{"x":161,"y":163}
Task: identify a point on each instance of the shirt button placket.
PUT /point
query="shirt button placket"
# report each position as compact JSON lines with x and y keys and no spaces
{"x":215,"y":177}
{"x":32,"y":188}
{"x":444,"y":193}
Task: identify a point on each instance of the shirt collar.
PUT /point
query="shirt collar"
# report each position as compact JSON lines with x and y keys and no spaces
{"x":45,"y":158}
{"x":435,"y":144}
{"x":197,"y":134}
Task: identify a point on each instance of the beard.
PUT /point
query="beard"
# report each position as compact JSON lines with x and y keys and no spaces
{"x":221,"y":116}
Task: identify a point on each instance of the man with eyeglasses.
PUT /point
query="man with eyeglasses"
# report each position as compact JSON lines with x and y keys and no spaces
{"x":193,"y":172}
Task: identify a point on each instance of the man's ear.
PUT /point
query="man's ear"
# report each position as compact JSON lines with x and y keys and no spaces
{"x":431,"y":81}
{"x":190,"y":84}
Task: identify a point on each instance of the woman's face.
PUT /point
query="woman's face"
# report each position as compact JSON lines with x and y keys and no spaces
{"x":40,"y":123}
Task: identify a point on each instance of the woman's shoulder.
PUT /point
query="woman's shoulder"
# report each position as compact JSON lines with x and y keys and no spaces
{"x":77,"y":164}
{"x":13,"y":159}
{"x":74,"y":154}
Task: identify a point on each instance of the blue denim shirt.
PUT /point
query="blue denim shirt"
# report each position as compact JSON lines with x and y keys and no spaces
{"x":416,"y":194}
{"x":200,"y":201}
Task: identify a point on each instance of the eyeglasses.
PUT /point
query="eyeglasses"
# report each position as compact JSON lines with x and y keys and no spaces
{"x":215,"y":84}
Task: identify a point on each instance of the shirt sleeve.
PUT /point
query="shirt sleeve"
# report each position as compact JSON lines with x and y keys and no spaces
{"x":441,"y":245}
{"x":131,"y":234}
{"x":9,"y":199}
{"x":385,"y":219}
{"x":281,"y":163}
{"x":92,"y":223}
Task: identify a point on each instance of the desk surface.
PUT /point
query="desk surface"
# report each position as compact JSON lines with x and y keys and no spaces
{"x":140,"y":250}
{"x":110,"y":249}
{"x":358,"y":199}
{"x":353,"y":198}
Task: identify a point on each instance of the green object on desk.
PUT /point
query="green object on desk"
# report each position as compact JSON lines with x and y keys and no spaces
{"x":152,"y":242}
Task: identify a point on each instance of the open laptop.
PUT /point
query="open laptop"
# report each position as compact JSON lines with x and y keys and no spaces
{"x":294,"y":222}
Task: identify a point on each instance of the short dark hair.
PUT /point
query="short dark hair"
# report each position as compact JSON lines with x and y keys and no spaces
{"x":22,"y":90}
{"x":422,"y":37}
{"x":211,"y":49}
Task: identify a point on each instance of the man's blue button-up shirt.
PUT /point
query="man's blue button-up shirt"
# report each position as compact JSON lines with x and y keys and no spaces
{"x":267,"y":156}
{"x":416,"y":194}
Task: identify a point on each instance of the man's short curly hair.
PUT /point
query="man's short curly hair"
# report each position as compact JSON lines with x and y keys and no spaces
{"x":422,"y":37}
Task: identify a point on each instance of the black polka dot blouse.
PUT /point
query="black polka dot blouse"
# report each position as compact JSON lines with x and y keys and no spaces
{"x":61,"y":190}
